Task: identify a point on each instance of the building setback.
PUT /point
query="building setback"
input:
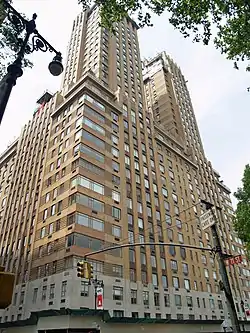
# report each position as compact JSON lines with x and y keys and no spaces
{"x":115,"y":157}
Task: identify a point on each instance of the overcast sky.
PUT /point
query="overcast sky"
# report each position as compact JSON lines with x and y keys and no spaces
{"x":218,"y":91}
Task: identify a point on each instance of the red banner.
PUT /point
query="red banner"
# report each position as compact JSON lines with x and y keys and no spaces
{"x":99,"y":298}
{"x":234,"y":261}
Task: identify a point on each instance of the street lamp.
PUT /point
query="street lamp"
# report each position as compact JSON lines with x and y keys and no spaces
{"x":14,"y":71}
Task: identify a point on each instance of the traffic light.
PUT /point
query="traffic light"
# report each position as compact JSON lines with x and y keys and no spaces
{"x":80,"y":269}
{"x":84,"y":270}
{"x":90,"y":271}
{"x":7,"y":281}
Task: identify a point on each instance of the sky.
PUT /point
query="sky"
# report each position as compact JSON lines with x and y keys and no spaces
{"x":218,"y":91}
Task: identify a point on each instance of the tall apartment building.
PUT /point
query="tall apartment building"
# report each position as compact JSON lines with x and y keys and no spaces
{"x":102,"y":164}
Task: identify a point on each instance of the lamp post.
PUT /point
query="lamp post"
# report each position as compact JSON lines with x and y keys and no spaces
{"x":14,"y":71}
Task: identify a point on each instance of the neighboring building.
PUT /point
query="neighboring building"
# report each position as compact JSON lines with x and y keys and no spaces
{"x":169,"y":102}
{"x":98,"y":166}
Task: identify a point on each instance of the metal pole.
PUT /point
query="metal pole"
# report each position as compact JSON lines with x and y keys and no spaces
{"x":224,"y":277}
{"x":244,"y":313}
{"x":14,"y":71}
{"x":95,"y":291}
{"x":8,"y":82}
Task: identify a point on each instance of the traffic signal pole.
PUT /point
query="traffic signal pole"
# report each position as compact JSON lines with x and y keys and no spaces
{"x":215,"y":250}
{"x":226,"y":287}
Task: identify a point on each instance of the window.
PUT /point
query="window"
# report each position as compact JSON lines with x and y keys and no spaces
{"x":53,"y":210}
{"x":180,"y":237}
{"x":220,"y":304}
{"x":162,"y":169}
{"x":117,"y":293}
{"x":186,"y":284}
{"x":156,"y":299}
{"x":118,"y":313}
{"x":47,"y":197}
{"x":131,"y":255}
{"x":115,"y":139}
{"x":45,"y":214}
{"x":164,"y":281}
{"x":51,"y":227}
{"x":127,"y":160}
{"x":87,"y":201}
{"x":211,"y":303}
{"x":63,"y":289}
{"x":129,"y":203}
{"x":92,"y":101}
{"x":206,"y":273}
{"x":130,"y":237}
{"x":87,"y":183}
{"x":115,"y":152}
{"x":21,"y":300}
{"x":209,"y":289}
{"x":89,"y":152}
{"x":166,"y":300}
{"x":126,"y":147}
{"x":93,"y":125}
{"x":43,"y":232}
{"x":44,"y":293}
{"x":174,"y":265}
{"x":154,"y":279}
{"x":137,"y":166}
{"x":178,"y":224}
{"x":139,"y":207}
{"x":140,"y":223}
{"x":189,"y":301}
{"x":185,"y":268}
{"x":90,"y":137}
{"x":164,"y":192}
{"x":116,"y":231}
{"x":133,"y":297}
{"x":115,"y":166}
{"x":84,"y":288}
{"x":177,"y":299}
{"x":87,"y":221}
{"x":175,"y":198}
{"x":116,"y":213}
{"x":52,"y":291}
{"x":145,"y":297}
{"x":114,"y":116}
{"x":153,"y":261}
{"x":34,"y":297}
{"x":176,"y":283}
{"x":116,"y":196}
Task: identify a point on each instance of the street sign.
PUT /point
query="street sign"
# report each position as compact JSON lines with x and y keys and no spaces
{"x":233,"y":261}
{"x":99,"y":298}
{"x":207,"y":219}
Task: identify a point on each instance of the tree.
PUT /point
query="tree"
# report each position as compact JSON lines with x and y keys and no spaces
{"x":224,"y":22}
{"x":11,"y":37}
{"x":242,"y":214}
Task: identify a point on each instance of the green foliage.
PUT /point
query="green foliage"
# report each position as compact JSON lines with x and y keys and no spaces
{"x":225,"y":22}
{"x":11,"y":37}
{"x":242,"y":218}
